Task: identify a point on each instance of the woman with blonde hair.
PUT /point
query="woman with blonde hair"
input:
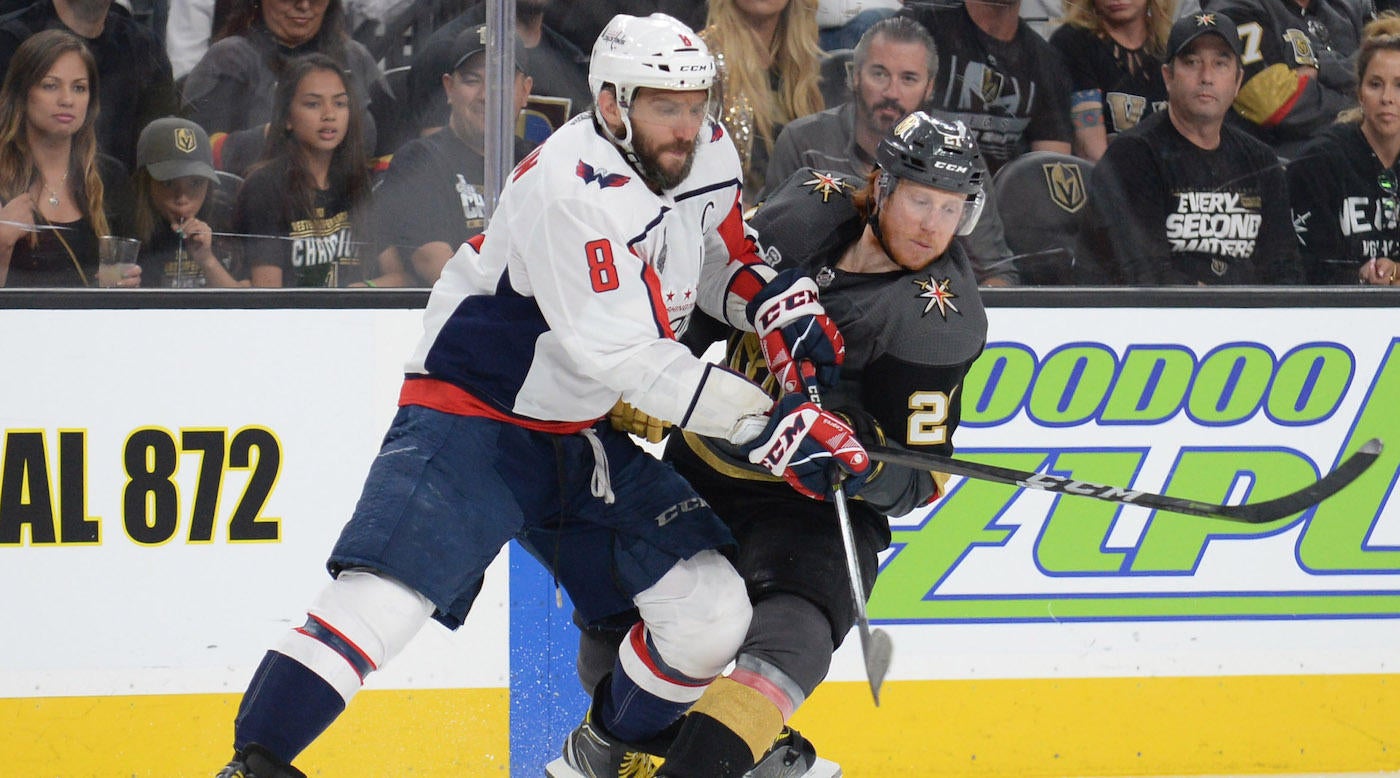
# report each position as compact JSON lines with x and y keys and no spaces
{"x":52,"y":179}
{"x":1345,"y":184}
{"x":769,"y":66}
{"x":1113,"y":50}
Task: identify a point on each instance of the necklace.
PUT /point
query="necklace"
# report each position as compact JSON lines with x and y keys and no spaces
{"x":53,"y":195}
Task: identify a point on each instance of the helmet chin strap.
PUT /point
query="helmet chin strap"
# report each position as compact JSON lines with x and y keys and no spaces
{"x":624,"y":144}
{"x":873,"y":219}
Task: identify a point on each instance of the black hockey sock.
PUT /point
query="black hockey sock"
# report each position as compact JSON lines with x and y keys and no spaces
{"x":705,"y":748}
{"x":285,"y":708}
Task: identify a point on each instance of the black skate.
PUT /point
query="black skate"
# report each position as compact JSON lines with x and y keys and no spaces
{"x":793,"y":756}
{"x":590,"y":753}
{"x":256,"y":762}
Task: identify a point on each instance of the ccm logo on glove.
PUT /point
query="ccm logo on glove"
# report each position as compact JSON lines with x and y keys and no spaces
{"x":793,"y":327}
{"x":801,"y":443}
{"x":784,"y":308}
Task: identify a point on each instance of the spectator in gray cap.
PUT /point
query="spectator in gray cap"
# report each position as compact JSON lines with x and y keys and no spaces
{"x":175,"y":205}
{"x":430,"y":201}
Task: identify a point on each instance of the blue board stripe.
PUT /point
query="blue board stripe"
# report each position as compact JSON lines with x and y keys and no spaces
{"x":546,"y":700}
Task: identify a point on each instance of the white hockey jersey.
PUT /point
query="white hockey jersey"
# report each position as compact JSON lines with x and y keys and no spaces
{"x":575,"y":293}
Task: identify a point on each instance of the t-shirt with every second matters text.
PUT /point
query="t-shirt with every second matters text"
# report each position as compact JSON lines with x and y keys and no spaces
{"x":317,"y":249}
{"x":1165,"y":211}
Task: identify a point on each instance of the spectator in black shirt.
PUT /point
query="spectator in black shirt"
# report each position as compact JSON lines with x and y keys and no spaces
{"x":1345,"y":185}
{"x":999,"y":77}
{"x":136,"y":85}
{"x":302,"y":203}
{"x":1299,"y":65}
{"x":1113,"y":52}
{"x":57,"y":189}
{"x":431,"y":200}
{"x":1184,"y":197}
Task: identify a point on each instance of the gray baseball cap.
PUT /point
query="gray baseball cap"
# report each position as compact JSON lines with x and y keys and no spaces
{"x":472,"y":41}
{"x":173,"y":148}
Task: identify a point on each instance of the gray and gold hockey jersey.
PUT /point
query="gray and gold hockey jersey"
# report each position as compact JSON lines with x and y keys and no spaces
{"x":910,"y":336}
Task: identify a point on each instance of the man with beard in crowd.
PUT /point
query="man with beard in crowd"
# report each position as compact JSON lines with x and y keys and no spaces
{"x":892,"y":74}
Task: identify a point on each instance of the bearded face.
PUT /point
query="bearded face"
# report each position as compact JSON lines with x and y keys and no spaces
{"x":665,"y":163}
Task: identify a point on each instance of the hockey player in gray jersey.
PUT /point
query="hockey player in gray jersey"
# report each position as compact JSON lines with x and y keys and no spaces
{"x":905,"y":298}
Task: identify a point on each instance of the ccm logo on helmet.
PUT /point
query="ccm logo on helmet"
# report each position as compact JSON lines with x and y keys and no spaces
{"x":940,"y":164}
{"x":689,"y":68}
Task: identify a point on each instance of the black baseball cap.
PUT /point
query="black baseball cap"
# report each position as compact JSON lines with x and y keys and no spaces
{"x":1193,"y":26}
{"x":472,"y":41}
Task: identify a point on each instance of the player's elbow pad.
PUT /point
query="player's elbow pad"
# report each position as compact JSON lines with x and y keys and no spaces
{"x":727,"y":405}
{"x":1270,"y":95}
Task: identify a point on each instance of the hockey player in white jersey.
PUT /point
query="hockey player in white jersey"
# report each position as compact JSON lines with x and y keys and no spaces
{"x":606,"y":239}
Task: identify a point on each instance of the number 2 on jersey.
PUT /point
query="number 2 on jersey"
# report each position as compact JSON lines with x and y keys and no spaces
{"x":928,"y":420}
{"x":601,"y":270}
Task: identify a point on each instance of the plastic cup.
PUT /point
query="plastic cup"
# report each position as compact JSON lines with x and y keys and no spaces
{"x":115,"y":256}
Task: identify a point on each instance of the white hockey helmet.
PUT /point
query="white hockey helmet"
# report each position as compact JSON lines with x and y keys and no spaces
{"x":656,"y":51}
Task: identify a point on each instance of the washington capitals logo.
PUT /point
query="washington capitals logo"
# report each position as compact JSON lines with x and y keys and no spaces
{"x":603,"y":178}
{"x":938,"y":295}
{"x":826,"y":184}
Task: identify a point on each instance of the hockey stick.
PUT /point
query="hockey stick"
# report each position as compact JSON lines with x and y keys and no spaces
{"x":1057,"y":252}
{"x":876,"y":646}
{"x":1249,"y":513}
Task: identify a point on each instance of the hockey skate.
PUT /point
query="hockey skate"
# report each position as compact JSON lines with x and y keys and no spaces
{"x":256,"y":762}
{"x":590,"y":753}
{"x":793,"y":756}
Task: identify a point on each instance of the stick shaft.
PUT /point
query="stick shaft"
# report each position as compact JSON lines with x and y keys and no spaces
{"x":1249,"y":513}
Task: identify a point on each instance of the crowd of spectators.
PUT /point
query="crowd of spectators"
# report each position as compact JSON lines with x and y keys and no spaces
{"x":258,"y":143}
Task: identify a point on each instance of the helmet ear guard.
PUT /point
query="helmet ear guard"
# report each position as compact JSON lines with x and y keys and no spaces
{"x":938,"y":153}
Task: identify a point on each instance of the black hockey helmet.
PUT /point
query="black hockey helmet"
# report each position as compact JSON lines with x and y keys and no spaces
{"x":940,"y":153}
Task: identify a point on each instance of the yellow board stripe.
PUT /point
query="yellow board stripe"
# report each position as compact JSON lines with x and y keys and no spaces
{"x":1110,"y":726}
{"x":1069,"y":727}
{"x":456,"y":732}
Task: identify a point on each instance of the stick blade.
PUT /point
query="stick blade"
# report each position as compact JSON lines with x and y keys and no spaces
{"x":878,"y":650}
{"x":1310,"y":495}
